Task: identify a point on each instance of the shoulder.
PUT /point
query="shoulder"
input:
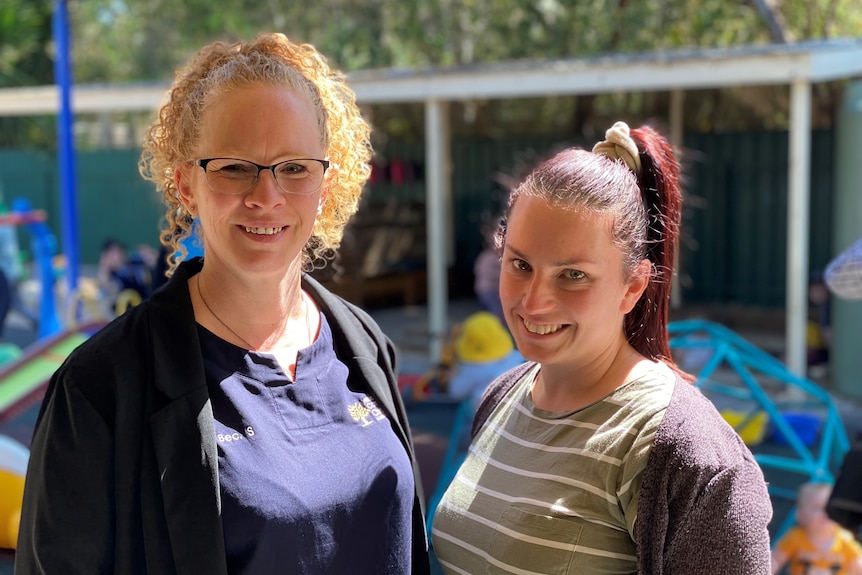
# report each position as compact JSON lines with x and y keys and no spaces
{"x":113,"y":340}
{"x":496,"y":391}
{"x":165,"y":316}
{"x":703,"y":494}
{"x":848,"y":541}
{"x":696,"y":455}
{"x":692,"y":434}
{"x":690,"y":411}
{"x":504,"y":382}
{"x":95,"y":370}
{"x":123,"y":352}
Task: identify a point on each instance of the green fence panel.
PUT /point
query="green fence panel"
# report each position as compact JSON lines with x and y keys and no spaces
{"x":31,"y":176}
{"x":115,"y":202}
{"x":734,"y":247}
{"x":112,"y":198}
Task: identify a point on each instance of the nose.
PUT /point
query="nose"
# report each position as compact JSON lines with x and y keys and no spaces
{"x":538,"y":295}
{"x":266,"y":192}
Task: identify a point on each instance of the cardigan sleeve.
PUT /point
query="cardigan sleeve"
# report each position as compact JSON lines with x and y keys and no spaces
{"x":67,"y":519}
{"x":495,"y":393}
{"x":704,"y":507}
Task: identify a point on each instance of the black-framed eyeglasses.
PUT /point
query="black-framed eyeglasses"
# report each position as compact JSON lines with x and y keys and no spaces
{"x":300,"y":176}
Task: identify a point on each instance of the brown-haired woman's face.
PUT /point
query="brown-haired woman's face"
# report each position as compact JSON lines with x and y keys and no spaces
{"x":562,"y":284}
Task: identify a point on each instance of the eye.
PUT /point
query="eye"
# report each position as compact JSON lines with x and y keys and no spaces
{"x":292,"y":169}
{"x":232,"y":169}
{"x":520,"y":265}
{"x":574,"y":275}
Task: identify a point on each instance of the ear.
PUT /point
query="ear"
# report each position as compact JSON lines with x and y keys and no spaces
{"x":637,"y":284}
{"x":182,"y":180}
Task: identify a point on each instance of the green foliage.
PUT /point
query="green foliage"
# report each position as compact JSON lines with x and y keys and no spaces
{"x":26,"y":59}
{"x":25,"y":42}
{"x":121,"y":41}
{"x":823,"y":18}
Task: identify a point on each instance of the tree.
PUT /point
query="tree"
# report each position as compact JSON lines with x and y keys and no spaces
{"x":26,"y":60}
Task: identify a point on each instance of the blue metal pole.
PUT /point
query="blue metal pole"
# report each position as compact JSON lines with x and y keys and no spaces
{"x":66,"y":144}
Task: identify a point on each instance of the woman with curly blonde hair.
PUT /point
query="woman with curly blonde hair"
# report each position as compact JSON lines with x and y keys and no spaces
{"x":243,"y":419}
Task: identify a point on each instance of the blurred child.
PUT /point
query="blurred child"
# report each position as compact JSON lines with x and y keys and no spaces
{"x":477,"y":350}
{"x":484,"y":350}
{"x":120,"y":271}
{"x":819,"y":329}
{"x":817,"y":545}
{"x":486,"y":273}
{"x":487,"y":283}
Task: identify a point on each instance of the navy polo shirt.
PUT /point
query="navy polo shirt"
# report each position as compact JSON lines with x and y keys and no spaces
{"x":313,"y":478}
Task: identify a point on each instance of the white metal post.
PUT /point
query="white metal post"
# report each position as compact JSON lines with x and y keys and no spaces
{"x":797,"y":224}
{"x":438,"y":186}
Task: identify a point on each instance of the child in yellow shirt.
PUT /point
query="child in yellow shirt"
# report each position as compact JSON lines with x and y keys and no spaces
{"x":817,"y":545}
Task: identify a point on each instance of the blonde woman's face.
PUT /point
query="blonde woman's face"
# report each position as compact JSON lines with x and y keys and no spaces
{"x":264,"y":230}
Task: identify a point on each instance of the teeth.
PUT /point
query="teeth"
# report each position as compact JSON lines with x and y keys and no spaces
{"x":541,"y":329}
{"x":264,"y":231}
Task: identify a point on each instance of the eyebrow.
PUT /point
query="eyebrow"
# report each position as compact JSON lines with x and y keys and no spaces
{"x":561,"y":264}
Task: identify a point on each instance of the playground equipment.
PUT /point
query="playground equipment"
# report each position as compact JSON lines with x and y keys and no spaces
{"x":43,"y":246}
{"x":13,"y":468}
{"x":807,"y":438}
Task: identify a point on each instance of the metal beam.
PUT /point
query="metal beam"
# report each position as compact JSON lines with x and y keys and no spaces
{"x":42,"y":100}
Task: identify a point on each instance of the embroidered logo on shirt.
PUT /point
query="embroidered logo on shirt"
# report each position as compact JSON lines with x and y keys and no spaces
{"x":365,"y":411}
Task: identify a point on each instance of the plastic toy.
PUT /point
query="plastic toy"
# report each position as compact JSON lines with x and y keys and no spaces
{"x":13,"y":468}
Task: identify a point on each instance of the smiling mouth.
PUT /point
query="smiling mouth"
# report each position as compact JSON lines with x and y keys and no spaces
{"x":542,"y":329}
{"x":264,"y":231}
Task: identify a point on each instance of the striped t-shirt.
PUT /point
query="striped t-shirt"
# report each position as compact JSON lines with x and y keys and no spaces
{"x":544,"y":492}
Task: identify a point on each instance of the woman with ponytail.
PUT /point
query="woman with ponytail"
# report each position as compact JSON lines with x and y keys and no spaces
{"x":598,"y":455}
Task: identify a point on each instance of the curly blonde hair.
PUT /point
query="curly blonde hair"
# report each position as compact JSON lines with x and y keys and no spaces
{"x":274,"y":60}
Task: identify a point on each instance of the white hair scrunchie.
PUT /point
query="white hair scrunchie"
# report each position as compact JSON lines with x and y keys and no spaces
{"x":618,"y":145}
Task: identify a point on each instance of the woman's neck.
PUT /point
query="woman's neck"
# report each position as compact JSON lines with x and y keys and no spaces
{"x":263,"y":315}
{"x":559,"y":388}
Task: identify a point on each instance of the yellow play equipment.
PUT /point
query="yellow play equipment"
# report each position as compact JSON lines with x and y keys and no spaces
{"x":13,"y":468}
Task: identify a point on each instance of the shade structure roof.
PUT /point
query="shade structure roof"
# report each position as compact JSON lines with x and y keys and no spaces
{"x":660,"y":70}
